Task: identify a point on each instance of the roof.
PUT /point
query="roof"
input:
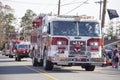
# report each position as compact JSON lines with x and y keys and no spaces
{"x":106,"y":42}
{"x":16,"y":41}
{"x":67,"y":18}
{"x":110,"y":42}
{"x":24,"y":43}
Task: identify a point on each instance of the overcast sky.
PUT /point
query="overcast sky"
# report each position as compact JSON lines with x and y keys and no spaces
{"x":68,"y":7}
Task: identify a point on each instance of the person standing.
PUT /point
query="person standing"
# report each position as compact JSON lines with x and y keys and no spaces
{"x":116,"y":57}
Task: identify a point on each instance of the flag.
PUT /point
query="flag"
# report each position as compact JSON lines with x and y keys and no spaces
{"x":112,"y":13}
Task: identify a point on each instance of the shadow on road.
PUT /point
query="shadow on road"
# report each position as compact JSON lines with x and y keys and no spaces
{"x":59,"y":69}
{"x":15,"y":70}
{"x":12,"y":61}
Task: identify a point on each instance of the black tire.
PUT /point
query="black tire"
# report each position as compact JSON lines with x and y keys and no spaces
{"x":90,"y":68}
{"x":34,"y":62}
{"x":10,"y":56}
{"x":48,"y":65}
{"x":17,"y":57}
{"x":40,"y":63}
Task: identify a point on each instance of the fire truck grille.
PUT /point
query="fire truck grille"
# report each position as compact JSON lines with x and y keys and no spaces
{"x":77,"y":47}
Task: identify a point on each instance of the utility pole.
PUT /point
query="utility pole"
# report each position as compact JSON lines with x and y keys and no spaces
{"x":59,"y":7}
{"x":99,"y":2}
{"x":103,"y":18}
{"x":104,"y":13}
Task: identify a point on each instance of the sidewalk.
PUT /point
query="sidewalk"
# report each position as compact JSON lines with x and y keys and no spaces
{"x":110,"y":69}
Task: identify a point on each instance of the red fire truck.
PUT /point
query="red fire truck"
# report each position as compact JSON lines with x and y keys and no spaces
{"x":66,"y":41}
{"x":22,"y":50}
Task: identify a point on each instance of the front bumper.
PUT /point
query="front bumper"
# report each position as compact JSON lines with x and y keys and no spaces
{"x":22,"y":55}
{"x":78,"y":61}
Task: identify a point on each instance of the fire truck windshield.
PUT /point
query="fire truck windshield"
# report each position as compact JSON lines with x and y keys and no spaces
{"x":24,"y":46}
{"x":89,"y":29}
{"x":71,"y":28}
{"x":64,"y":28}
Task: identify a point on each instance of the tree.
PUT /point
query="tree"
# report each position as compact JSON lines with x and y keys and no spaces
{"x":8,"y":27}
{"x":118,"y":27}
{"x":113,"y":29}
{"x":26,"y":23}
{"x":4,"y":10}
{"x":6,"y":23}
{"x":110,"y":29}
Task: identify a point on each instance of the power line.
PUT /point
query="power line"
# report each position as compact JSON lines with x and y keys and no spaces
{"x":77,"y":7}
{"x":70,"y":3}
{"x":45,"y":5}
{"x":29,"y":3}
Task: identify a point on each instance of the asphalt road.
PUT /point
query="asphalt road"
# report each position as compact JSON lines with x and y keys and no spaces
{"x":12,"y":70}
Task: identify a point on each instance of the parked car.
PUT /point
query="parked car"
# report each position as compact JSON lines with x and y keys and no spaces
{"x":3,"y":52}
{"x":108,"y":53}
{"x":7,"y":52}
{"x":13,"y":45}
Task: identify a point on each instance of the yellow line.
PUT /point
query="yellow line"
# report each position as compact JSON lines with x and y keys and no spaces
{"x":42,"y":72}
{"x":39,"y":71}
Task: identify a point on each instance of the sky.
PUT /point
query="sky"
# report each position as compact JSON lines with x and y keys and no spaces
{"x":68,"y":7}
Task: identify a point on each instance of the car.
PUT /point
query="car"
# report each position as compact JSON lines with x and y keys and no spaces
{"x":7,"y":52}
{"x":108,"y":54}
{"x":13,"y":44}
{"x":3,"y":52}
{"x":12,"y":52}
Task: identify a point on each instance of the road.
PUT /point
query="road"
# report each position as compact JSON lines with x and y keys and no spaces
{"x":12,"y":70}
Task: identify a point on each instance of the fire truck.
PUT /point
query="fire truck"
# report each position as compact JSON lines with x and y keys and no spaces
{"x":66,"y":41}
{"x":22,"y":50}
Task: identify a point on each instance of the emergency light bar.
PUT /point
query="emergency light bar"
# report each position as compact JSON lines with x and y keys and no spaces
{"x":86,"y":17}
{"x":77,"y":18}
{"x":81,"y":17}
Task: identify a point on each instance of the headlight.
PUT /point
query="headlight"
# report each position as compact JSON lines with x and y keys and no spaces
{"x":59,"y":43}
{"x":94,"y":43}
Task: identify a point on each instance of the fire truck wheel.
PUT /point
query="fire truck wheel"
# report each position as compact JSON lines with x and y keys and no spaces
{"x":89,"y":68}
{"x":10,"y":56}
{"x":34,"y":61}
{"x":40,"y":63}
{"x":17,"y":58}
{"x":47,"y":64}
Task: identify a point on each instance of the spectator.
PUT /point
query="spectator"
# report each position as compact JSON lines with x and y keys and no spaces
{"x":115,"y":57}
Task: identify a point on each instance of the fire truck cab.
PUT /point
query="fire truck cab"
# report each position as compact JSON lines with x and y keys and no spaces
{"x":66,"y":41}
